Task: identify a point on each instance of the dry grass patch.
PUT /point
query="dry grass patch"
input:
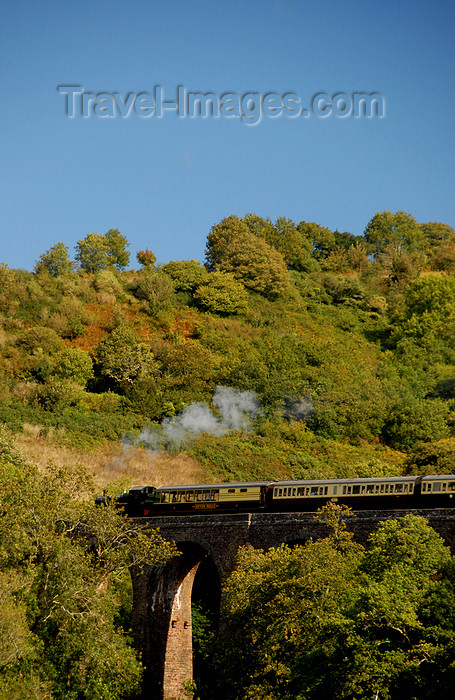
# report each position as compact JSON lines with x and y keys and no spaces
{"x":130,"y":465}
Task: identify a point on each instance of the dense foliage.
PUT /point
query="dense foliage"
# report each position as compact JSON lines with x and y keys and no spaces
{"x":333,"y":619}
{"x":65,"y":586}
{"x":347,"y":341}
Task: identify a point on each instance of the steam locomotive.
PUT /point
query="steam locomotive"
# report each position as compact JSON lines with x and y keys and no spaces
{"x":280,"y":496}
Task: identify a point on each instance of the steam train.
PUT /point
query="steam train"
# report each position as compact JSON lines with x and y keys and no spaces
{"x":281,"y":496}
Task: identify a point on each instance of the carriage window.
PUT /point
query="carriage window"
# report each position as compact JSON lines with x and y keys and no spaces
{"x":451,"y":485}
{"x":363,"y":488}
{"x":307,"y":491}
{"x":398,"y":488}
{"x":370,"y":488}
{"x":335,"y":488}
{"x":382,"y":488}
{"x":285,"y":492}
{"x":424,"y":487}
{"x":189,"y":496}
{"x":231,"y":490}
{"x":344,"y":490}
{"x":349,"y":489}
{"x":300,"y":492}
{"x":314,"y":491}
{"x":391,"y":488}
{"x":280,"y":492}
{"x":293,"y":492}
{"x":437,"y":486}
{"x":386,"y":488}
{"x":243,"y":490}
{"x":444,"y":486}
{"x":326,"y":490}
{"x":356,"y":489}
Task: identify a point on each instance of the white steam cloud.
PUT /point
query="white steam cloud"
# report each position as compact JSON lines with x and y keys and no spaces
{"x":237,"y":409}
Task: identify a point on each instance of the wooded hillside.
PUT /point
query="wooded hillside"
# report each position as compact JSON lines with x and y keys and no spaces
{"x":336,"y":351}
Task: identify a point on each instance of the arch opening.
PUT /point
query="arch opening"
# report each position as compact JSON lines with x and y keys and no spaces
{"x":205,"y":609}
{"x":168,"y":629}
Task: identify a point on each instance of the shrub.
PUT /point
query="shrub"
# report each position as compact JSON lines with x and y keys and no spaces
{"x":221,"y":293}
{"x":55,"y":261}
{"x":74,"y":364}
{"x":57,"y":394}
{"x":416,"y":420}
{"x":122,"y":361}
{"x":40,"y":338}
{"x":146,"y":258}
{"x":156,"y":289}
{"x":186,"y":274}
{"x":106,"y":281}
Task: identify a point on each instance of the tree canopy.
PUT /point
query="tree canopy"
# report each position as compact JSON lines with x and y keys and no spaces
{"x":66,"y":591}
{"x":332,"y":619}
{"x":99,"y":251}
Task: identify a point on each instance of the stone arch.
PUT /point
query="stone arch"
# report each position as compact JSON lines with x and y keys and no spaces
{"x":166,"y":621}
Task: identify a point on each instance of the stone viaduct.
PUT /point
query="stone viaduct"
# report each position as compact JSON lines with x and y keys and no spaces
{"x":161,"y":618}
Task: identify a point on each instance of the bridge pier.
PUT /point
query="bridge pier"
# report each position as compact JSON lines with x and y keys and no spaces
{"x":162,"y":626}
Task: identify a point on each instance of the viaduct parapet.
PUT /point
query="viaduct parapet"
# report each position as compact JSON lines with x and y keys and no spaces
{"x":161,"y":618}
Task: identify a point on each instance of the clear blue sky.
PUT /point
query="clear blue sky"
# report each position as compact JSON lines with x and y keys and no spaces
{"x":164,"y":182}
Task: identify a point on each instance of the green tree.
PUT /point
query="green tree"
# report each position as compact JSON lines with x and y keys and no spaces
{"x":432,"y":457}
{"x":444,"y":257}
{"x":99,"y":251}
{"x":437,"y":233}
{"x":64,"y":566}
{"x":321,"y":238}
{"x":218,"y":239}
{"x":92,"y":252}
{"x":403,"y":264}
{"x":276,"y":606}
{"x":286,"y":238}
{"x":416,"y":420}
{"x":255,"y":263}
{"x":429,"y":312}
{"x":258,"y":226}
{"x":118,"y":256}
{"x":332,"y":620}
{"x":186,"y":274}
{"x":398,"y":231}
{"x":121,"y":360}
{"x":75,"y":364}
{"x":436,"y":613}
{"x":55,"y":261}
{"x":221,"y":293}
{"x":431,"y":294}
